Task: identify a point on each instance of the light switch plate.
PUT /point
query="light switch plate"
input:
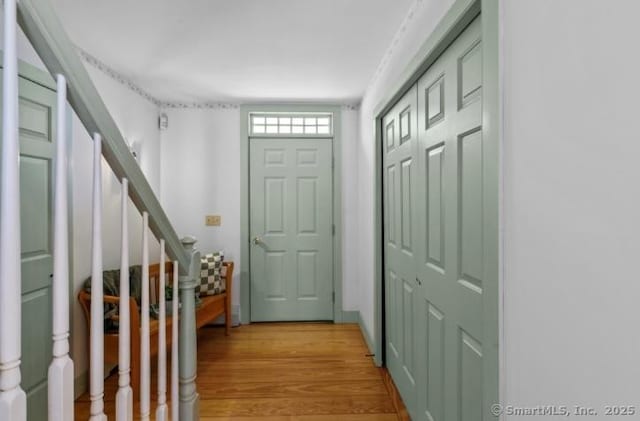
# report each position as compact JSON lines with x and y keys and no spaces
{"x":212,"y":220}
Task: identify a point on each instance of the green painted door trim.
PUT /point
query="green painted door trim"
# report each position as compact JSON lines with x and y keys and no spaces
{"x":245,"y":275}
{"x":461,"y":13}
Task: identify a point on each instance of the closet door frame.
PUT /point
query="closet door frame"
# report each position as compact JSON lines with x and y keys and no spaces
{"x":459,"y":16}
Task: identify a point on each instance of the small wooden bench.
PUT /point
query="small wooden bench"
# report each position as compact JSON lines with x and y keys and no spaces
{"x":210,"y":309}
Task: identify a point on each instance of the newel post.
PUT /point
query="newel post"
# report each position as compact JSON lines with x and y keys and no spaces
{"x":189,"y":398}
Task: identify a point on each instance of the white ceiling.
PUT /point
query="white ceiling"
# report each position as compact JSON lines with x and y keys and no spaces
{"x":239,"y":50}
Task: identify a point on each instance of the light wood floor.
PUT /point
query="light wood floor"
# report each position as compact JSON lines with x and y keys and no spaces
{"x":282,"y":371}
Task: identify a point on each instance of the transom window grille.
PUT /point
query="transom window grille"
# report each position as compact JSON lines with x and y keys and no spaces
{"x":303,"y":124}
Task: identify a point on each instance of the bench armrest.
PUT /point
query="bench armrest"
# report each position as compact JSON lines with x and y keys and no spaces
{"x":85,"y":302}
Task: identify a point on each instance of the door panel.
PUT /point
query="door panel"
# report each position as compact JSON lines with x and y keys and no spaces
{"x":434,"y":207}
{"x":399,"y":183}
{"x":408,"y":298}
{"x":306,"y":275}
{"x":291,"y":213}
{"x":406,"y":204}
{"x":37,"y":142}
{"x":434,"y":377}
{"x":441,"y":239}
{"x":274,"y":192}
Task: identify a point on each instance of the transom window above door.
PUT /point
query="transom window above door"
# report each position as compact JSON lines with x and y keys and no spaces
{"x":291,"y":124}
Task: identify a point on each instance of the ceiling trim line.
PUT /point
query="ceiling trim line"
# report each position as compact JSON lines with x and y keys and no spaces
{"x":400,"y":34}
{"x":162,"y":104}
{"x":135,"y":88}
{"x":118,"y":77}
{"x":199,"y":105}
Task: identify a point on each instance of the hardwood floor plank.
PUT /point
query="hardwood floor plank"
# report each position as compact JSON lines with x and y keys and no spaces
{"x":281,"y":389}
{"x":325,"y":405}
{"x":336,"y":417}
{"x":319,"y":372}
{"x":281,"y":372}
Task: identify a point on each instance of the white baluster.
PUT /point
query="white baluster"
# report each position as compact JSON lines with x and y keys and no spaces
{"x":13,"y":404}
{"x":145,"y":371}
{"x":161,"y":411}
{"x":124,"y":397}
{"x":96,"y":389}
{"x":175,"y":404}
{"x":60,"y":382}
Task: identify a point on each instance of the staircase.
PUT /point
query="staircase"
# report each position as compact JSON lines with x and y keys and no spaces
{"x":38,"y":20}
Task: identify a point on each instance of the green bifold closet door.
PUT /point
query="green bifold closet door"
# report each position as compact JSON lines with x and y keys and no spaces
{"x":439,"y":339}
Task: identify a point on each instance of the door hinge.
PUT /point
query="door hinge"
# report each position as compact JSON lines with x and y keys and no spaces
{"x":333,"y":296}
{"x":333,"y":229}
{"x":333,"y":162}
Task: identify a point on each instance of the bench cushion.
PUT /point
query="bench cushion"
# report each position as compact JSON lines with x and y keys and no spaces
{"x":211,"y":281}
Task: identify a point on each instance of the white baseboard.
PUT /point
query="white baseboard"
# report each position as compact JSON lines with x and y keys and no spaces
{"x":368,"y":339}
{"x":235,"y":315}
{"x":350,"y":316}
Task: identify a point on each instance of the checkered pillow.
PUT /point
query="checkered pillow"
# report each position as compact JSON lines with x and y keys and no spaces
{"x":211,"y":282}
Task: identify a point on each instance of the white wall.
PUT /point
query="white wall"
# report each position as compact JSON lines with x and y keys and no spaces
{"x":350,"y":282}
{"x":571,"y":202}
{"x":137,"y":120}
{"x":410,"y":37}
{"x":201,"y":176}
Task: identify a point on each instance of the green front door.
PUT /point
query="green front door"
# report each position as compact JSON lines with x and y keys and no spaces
{"x":37,"y":135}
{"x":291,"y":204}
{"x":435,"y":283}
